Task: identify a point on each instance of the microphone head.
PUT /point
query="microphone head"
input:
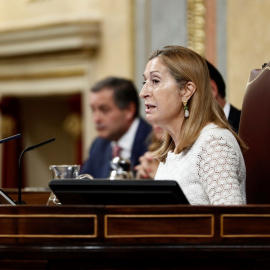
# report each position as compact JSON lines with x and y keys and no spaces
{"x":10,"y":138}
{"x":39,"y":144}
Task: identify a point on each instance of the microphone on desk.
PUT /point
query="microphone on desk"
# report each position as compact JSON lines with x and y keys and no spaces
{"x":19,"y":167}
{"x":10,"y":138}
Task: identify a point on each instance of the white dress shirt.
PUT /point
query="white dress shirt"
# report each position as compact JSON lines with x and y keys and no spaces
{"x":226,"y":109}
{"x":126,"y":141}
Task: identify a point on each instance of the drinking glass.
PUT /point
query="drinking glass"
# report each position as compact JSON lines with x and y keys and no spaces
{"x":62,"y":172}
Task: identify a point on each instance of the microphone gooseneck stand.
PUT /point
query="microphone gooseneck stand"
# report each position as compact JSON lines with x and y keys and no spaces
{"x":19,"y":167}
{"x":10,"y":138}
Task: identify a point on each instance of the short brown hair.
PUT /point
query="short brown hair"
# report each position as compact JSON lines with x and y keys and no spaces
{"x":124,"y":92}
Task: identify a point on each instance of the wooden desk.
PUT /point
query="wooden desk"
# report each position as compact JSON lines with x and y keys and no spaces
{"x":132,"y":237}
{"x":32,"y":196}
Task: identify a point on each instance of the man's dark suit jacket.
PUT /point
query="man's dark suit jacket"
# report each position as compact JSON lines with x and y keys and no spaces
{"x":234,"y":118}
{"x":100,"y":154}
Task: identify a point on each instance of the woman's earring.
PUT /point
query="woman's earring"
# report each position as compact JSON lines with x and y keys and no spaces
{"x":186,"y":109}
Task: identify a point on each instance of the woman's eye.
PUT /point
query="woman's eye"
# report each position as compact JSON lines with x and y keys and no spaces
{"x":155,"y":81}
{"x":144,"y":82}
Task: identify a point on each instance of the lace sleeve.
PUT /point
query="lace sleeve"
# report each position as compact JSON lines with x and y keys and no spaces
{"x":219,"y":171}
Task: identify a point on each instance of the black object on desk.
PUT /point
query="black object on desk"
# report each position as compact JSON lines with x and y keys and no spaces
{"x":117,"y":192}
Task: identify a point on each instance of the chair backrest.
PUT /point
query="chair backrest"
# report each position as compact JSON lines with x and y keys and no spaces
{"x":255,"y":131}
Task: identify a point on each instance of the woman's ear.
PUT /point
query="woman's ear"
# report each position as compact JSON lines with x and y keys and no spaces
{"x":188,"y":91}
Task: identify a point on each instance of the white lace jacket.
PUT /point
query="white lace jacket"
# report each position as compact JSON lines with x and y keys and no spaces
{"x":212,"y":171}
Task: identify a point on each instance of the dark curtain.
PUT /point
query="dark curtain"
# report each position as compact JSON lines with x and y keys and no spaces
{"x":11,"y":150}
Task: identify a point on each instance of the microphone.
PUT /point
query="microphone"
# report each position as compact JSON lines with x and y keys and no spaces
{"x":10,"y":138}
{"x":20,"y":159}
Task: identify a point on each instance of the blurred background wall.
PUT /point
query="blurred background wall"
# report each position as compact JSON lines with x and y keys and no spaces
{"x":53,"y":51}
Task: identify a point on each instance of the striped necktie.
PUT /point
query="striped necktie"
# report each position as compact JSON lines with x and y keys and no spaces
{"x":116,"y":151}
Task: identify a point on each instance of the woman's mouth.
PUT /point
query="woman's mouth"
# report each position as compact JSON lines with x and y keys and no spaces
{"x":149,"y":108}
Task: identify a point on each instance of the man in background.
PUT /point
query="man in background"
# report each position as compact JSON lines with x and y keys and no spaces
{"x":121,"y":131}
{"x":219,"y":91}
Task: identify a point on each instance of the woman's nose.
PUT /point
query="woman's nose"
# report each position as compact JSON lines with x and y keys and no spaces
{"x":144,"y":92}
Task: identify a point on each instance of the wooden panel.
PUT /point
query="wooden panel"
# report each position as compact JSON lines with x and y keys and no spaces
{"x":245,"y":225}
{"x":48,"y":226}
{"x":159,"y":226}
{"x":110,"y":237}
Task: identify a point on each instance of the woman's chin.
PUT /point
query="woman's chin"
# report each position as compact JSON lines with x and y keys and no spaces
{"x":150,"y":119}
